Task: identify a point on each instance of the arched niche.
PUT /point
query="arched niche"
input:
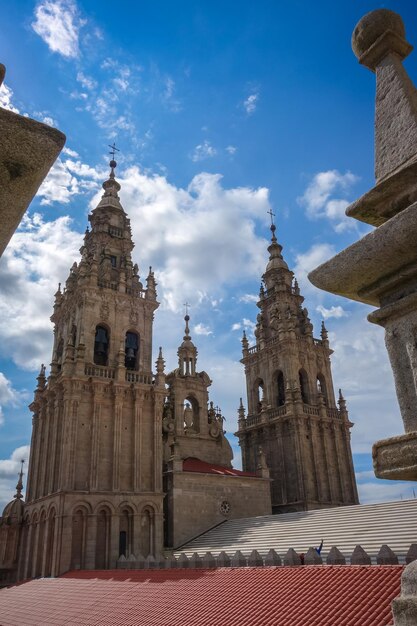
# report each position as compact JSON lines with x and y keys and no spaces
{"x":126,"y":531}
{"x":78,"y":538}
{"x":191,"y":414}
{"x":280,"y":388}
{"x":322,"y":387}
{"x":147,"y":531}
{"x":103,"y":538}
{"x":304,"y":387}
{"x":259,"y":394}
{"x":132,"y":350}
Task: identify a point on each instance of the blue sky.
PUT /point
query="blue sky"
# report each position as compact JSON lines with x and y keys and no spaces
{"x":221,"y":111}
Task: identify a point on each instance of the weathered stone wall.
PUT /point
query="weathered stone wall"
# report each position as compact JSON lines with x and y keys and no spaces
{"x":194,"y":502}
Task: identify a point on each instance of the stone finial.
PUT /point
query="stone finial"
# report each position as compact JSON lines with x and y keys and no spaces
{"x":255,"y":559}
{"x":272,"y":558}
{"x":122,"y":562}
{"x":360,"y":557}
{"x":411,"y":554}
{"x":160,"y":363}
{"x":335,"y":557}
{"x":292,"y":558}
{"x":404,"y":608}
{"x":238,"y":559}
{"x":312,"y":557}
{"x":208,"y":561}
{"x":183,"y":561}
{"x":150,"y":293}
{"x":245,"y":343}
{"x":18,"y":495}
{"x":379,"y":42}
{"x":378,"y":34}
{"x":150,"y":562}
{"x":223,"y":559}
{"x":386,"y":556}
{"x":195,"y":561}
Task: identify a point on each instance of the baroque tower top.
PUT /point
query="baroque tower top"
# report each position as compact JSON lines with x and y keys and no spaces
{"x":292,"y":412}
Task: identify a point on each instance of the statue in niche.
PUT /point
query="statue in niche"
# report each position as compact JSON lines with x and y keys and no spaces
{"x":188,"y":417}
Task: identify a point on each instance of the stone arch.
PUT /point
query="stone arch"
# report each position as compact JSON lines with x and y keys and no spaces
{"x":132,"y":349}
{"x":322,"y":386}
{"x":105,"y":504}
{"x":40,"y":543}
{"x":103,"y":535}
{"x":191,"y":413}
{"x":79,"y":536}
{"x":101,"y":347}
{"x":279,"y":385}
{"x":147,"y":530}
{"x":259,"y":391}
{"x":50,"y":541}
{"x":304,"y":386}
{"x":126,"y":530}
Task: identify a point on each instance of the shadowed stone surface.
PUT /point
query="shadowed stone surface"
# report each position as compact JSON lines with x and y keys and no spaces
{"x":27,"y":151}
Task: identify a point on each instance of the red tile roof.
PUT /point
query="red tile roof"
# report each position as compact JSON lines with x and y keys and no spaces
{"x":268,"y":596}
{"x":195,"y":465}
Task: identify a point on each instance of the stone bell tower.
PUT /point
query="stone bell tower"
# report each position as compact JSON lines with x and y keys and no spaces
{"x":95,"y":473}
{"x":292,"y":413}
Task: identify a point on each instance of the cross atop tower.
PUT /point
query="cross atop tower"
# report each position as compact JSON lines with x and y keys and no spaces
{"x":113,"y":150}
{"x":187,"y":306}
{"x":272,"y":214}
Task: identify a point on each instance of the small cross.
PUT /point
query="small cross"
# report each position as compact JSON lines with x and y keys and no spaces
{"x":187,"y":306}
{"x":113,"y":150}
{"x":272,"y":216}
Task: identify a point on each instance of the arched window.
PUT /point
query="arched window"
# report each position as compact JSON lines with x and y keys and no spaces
{"x":147,"y":532}
{"x":103,"y":539}
{"x":101,"y":346}
{"x":79,"y":523}
{"x":59,"y":352}
{"x":304,"y":386}
{"x":280,"y":389}
{"x":131,"y":351}
{"x":321,"y":386}
{"x":126,"y":533}
{"x":259,"y":394}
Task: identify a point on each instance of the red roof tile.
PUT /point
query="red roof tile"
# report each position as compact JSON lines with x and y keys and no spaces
{"x":268,"y":596}
{"x":195,"y":465}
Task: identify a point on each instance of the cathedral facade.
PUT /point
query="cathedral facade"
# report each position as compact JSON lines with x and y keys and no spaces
{"x":130,"y":461}
{"x":292,"y":413}
{"x":108,"y":431}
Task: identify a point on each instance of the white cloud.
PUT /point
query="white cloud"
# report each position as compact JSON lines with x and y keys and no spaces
{"x":69,"y":152}
{"x":169,"y":95}
{"x":38,"y":256}
{"x":319,"y":202}
{"x":203,"y":151}
{"x":231,"y":149}
{"x":6,"y":96}
{"x":372,"y":492}
{"x":305,"y":262}
{"x":334,"y":311}
{"x":202,"y":329}
{"x":8,"y":395}
{"x":249,"y":298}
{"x":251,"y":103}
{"x":9,"y":469}
{"x":58,"y":24}
{"x":67,"y":178}
{"x":86,"y":81}
{"x":236,"y":326}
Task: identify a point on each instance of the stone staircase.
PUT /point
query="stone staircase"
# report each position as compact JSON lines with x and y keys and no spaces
{"x":370,"y":525}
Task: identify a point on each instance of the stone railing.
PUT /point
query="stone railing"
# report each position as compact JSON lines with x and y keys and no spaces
{"x":138,"y":293}
{"x":252,"y":420}
{"x":116,"y":232}
{"x":107,"y":284}
{"x":100,"y":371}
{"x":359,"y":556}
{"x":311,"y":410}
{"x":136,"y":377}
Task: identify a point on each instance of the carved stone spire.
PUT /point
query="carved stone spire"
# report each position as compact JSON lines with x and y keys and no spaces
{"x":18,"y":495}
